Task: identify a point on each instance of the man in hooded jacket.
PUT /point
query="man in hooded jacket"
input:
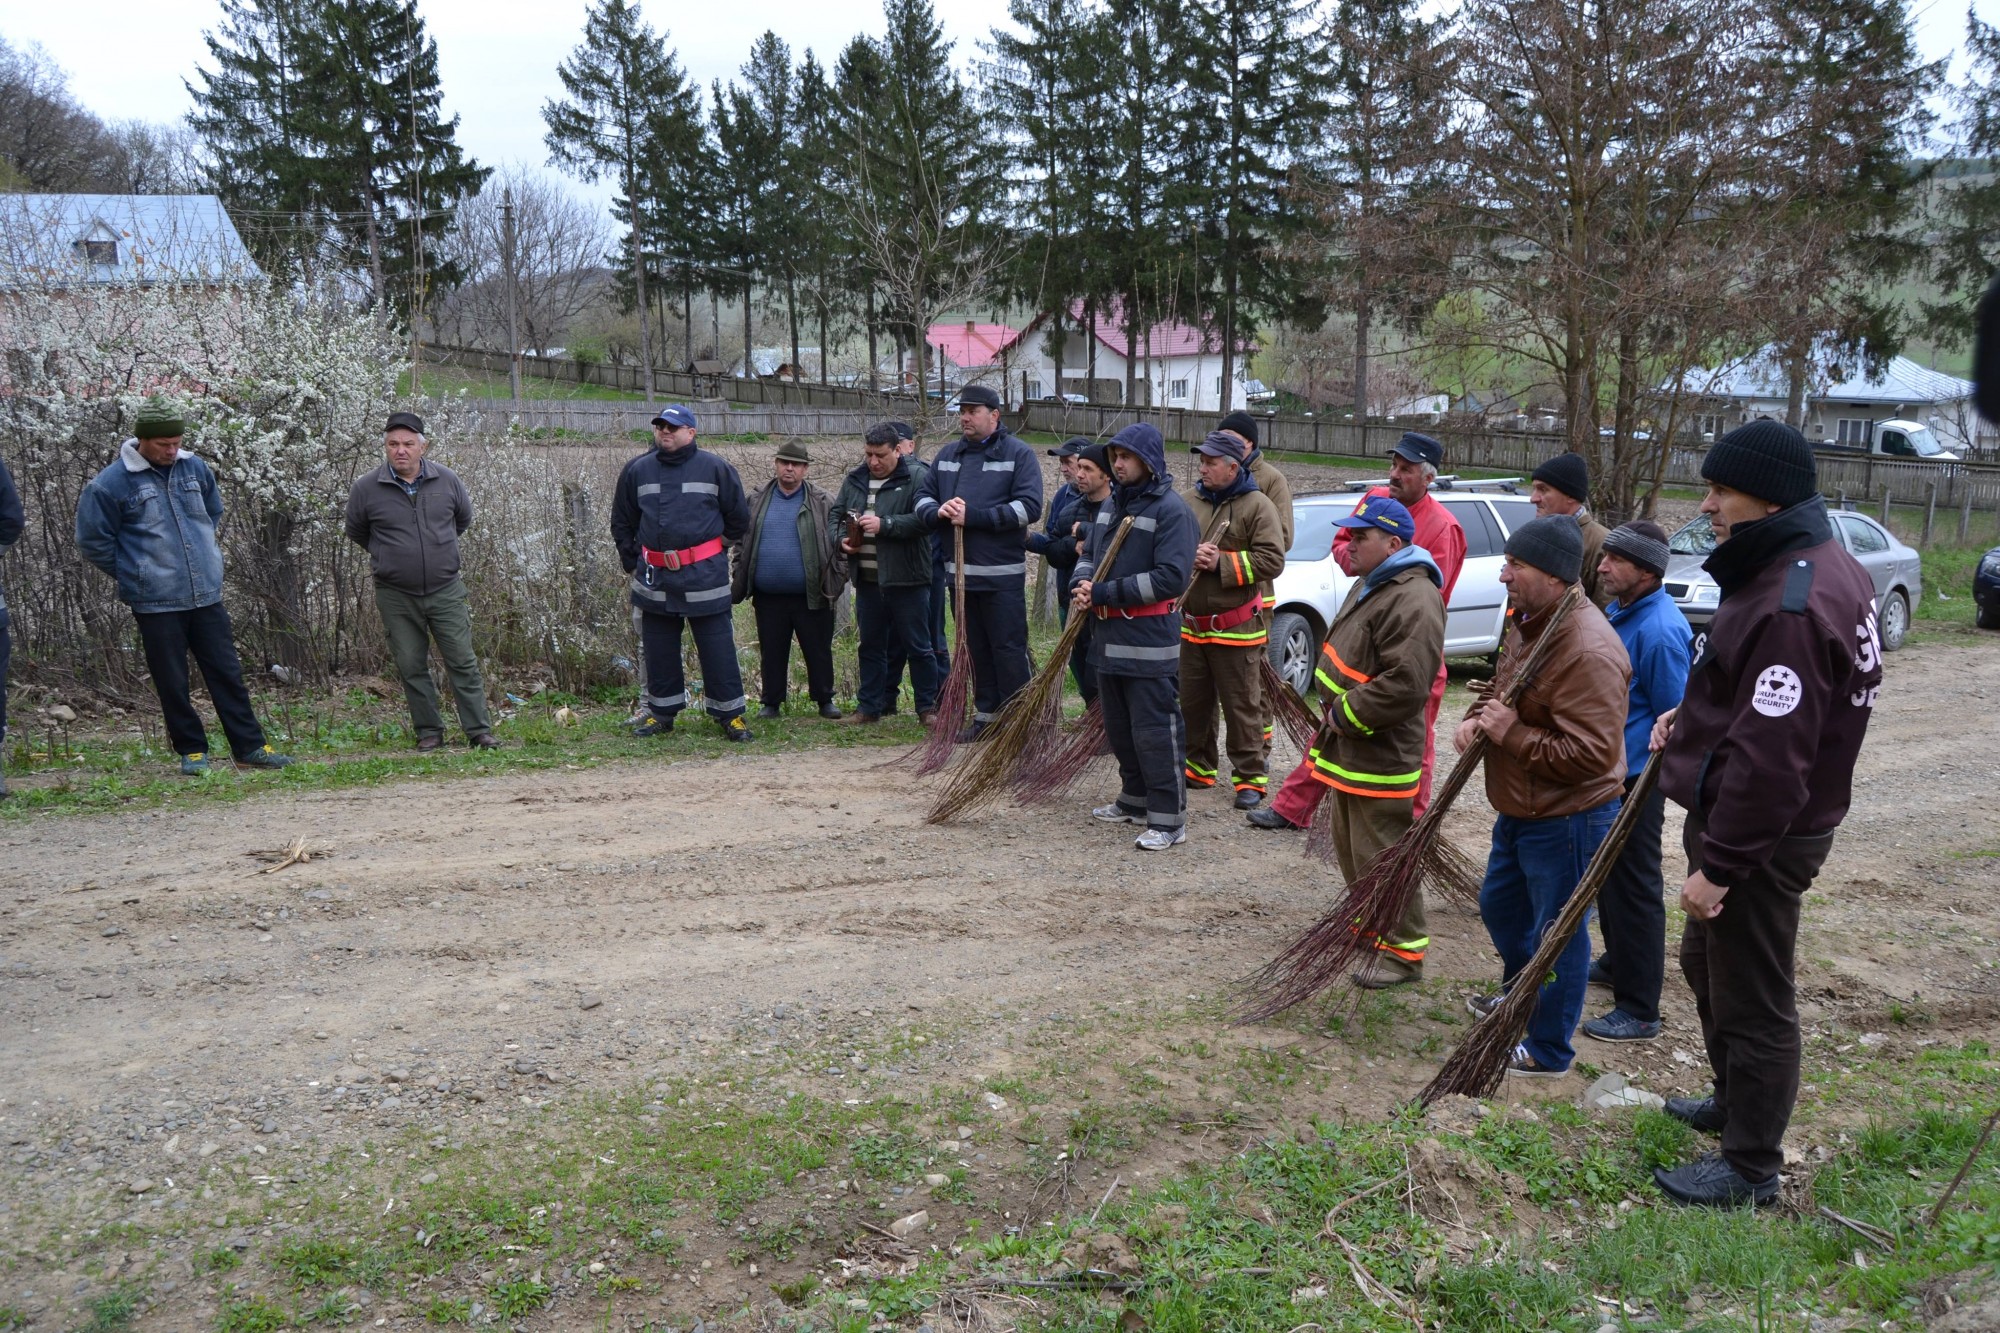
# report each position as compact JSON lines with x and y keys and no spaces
{"x":1135,"y":648}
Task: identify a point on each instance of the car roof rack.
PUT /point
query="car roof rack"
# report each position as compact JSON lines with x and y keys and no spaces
{"x":1451,"y":482}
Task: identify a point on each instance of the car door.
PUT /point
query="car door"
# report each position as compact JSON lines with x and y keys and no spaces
{"x":1475,"y":618}
{"x":1869,"y":545}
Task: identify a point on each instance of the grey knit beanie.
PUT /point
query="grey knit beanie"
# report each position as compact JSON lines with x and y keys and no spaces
{"x":1642,"y":542}
{"x":1553,"y":545}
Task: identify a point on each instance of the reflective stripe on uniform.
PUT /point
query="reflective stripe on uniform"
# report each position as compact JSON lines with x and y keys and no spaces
{"x":700,"y":488}
{"x":1251,"y":784}
{"x":1225,"y":638}
{"x":1171,"y":653}
{"x":665,"y":700}
{"x":707,"y":594}
{"x":649,"y":488}
{"x":1356,"y":783}
{"x":975,"y":571}
{"x":1198,"y":776}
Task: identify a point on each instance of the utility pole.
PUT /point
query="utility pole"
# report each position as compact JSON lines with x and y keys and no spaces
{"x":507,"y":262}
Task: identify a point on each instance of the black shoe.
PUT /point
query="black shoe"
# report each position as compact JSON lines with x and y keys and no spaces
{"x":651,"y":725}
{"x":485,"y":740}
{"x":767,"y":712}
{"x":1265,"y":817}
{"x":975,"y":732}
{"x":1711,"y":1182}
{"x":1600,"y":975}
{"x":1621,"y":1026}
{"x":1249,"y":798}
{"x":735,"y":730}
{"x":1702,"y":1115}
{"x":829,"y":711}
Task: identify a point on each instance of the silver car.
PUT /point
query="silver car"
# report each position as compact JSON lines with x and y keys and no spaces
{"x":1897,"y":570}
{"x":1312,"y":587}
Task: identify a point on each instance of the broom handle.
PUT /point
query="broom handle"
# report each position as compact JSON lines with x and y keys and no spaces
{"x":958,"y":572}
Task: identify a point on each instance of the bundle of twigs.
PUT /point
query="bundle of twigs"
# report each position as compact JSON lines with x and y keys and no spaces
{"x":1079,"y":746}
{"x":1374,"y":902}
{"x":1287,"y":709}
{"x":1027,"y":732}
{"x":954,"y":702}
{"x":1480,"y":1063}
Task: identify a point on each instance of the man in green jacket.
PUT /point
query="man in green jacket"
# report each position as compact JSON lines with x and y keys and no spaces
{"x":409,"y":514}
{"x":889,"y":551}
{"x":793,"y":572}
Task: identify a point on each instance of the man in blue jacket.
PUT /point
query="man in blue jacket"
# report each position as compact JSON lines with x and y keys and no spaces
{"x":677,"y":511}
{"x":1136,"y":644}
{"x":11,"y":524}
{"x":1632,"y":905}
{"x":148,"y":520}
{"x":1055,"y":541}
{"x":988,"y":484}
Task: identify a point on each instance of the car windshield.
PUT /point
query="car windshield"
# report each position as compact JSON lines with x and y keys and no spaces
{"x":1312,"y":539}
{"x":1925,"y":443}
{"x":1697,"y":538}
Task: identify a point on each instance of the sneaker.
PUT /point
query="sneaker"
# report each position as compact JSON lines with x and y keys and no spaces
{"x":1523,"y":1065}
{"x":1266,"y":817}
{"x":194,"y":765}
{"x":831,"y":712}
{"x":1701,"y":1114}
{"x":1116,"y":814}
{"x":650,"y":725}
{"x":1384,"y":970}
{"x":263,"y":758}
{"x":1620,"y":1026}
{"x":1249,"y":798}
{"x":1159,"y":839}
{"x":1711,"y":1182}
{"x":429,"y":741}
{"x":1481,"y":1005}
{"x":1600,"y":973}
{"x":735,"y":731}
{"x":767,"y":713}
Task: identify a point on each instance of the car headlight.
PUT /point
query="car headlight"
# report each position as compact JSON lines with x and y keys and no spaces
{"x":1705,"y":594}
{"x":1990,"y":566}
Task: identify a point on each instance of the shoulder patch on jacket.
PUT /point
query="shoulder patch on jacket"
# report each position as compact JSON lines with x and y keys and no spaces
{"x":1798,"y":588}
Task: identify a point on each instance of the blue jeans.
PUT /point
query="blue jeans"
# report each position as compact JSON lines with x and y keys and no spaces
{"x":1534,"y":866}
{"x":894,"y":620}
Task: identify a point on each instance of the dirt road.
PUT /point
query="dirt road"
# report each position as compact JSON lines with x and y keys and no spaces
{"x":159,"y":1002}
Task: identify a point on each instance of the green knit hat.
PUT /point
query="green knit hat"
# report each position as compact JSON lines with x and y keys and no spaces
{"x":159,"y":420}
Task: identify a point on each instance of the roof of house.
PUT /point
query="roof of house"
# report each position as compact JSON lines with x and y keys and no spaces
{"x":1170,"y":338}
{"x":971,"y":344}
{"x":1762,"y":375}
{"x":153,"y":238}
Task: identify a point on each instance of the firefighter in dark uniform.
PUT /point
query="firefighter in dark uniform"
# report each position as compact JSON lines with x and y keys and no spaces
{"x":1136,"y":639}
{"x":989,"y":484}
{"x":1761,"y":755}
{"x":677,"y":510}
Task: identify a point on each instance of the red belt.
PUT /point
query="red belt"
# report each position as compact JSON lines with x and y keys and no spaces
{"x":1225,"y":619}
{"x":1134,"y":612}
{"x":675,"y":559}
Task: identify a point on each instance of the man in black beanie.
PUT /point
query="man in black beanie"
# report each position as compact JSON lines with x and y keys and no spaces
{"x":1761,"y":756}
{"x":1562,"y":486}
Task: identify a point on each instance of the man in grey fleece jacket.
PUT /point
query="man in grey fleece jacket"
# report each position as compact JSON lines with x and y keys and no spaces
{"x":409,"y":513}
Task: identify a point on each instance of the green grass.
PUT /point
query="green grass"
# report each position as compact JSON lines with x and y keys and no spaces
{"x":253,"y":1313}
{"x":1948,"y":572}
{"x":113,"y":1310}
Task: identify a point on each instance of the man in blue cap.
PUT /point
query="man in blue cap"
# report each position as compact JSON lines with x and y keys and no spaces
{"x":988,"y":484}
{"x":1381,"y":654}
{"x":1136,"y":648}
{"x":677,"y":512}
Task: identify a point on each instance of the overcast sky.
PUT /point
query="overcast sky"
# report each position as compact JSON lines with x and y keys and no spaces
{"x":128,"y":58}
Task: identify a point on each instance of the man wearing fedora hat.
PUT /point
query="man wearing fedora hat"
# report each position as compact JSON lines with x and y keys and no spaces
{"x":791,"y":571}
{"x":408,"y":514}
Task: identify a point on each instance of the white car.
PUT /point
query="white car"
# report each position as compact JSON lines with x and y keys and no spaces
{"x":1312,"y":587}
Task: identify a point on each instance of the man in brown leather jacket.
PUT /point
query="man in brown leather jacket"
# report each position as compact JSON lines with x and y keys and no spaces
{"x":1555,"y":774}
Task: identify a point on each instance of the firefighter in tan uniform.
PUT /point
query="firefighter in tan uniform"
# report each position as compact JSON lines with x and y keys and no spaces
{"x":1279,"y":492}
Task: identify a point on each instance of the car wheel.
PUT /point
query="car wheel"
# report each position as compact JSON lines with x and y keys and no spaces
{"x":1893,"y":621}
{"x":1293,"y":647}
{"x":1988,"y":616}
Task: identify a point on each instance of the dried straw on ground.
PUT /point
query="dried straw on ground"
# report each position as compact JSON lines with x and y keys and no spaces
{"x":1477,"y":1067}
{"x":1373,"y":903}
{"x":1027,"y":732}
{"x":954,"y":702}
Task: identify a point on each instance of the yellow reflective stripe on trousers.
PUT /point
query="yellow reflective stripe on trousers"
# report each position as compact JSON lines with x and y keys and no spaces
{"x":1325,"y":765}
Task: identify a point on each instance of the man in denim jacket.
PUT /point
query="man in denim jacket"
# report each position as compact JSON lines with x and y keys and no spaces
{"x":148,"y":520}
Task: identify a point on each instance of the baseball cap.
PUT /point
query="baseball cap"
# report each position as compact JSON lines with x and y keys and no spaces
{"x":1222,"y":445}
{"x":1419,"y":448}
{"x":1384,"y":512}
{"x":408,"y":421}
{"x":674,"y":415}
{"x":1068,"y":448}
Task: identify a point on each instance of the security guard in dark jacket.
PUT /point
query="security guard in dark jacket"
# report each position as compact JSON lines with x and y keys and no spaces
{"x":1136,"y":644}
{"x":990,"y":484}
{"x":1761,"y":755}
{"x":677,"y":511}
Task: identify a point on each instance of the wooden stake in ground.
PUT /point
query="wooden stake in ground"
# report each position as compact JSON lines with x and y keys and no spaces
{"x":954,"y":701}
{"x":1374,"y":902}
{"x":1027,"y":732}
{"x":1477,"y":1067}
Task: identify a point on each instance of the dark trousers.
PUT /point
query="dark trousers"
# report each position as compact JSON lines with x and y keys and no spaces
{"x":1142,"y":721}
{"x":1533,"y":868}
{"x":782,"y":617}
{"x":169,"y":637}
{"x":1632,"y":912}
{"x":1080,"y":669}
{"x":936,"y":641}
{"x":996,"y":634}
{"x":894,"y":620}
{"x":666,"y":681}
{"x":1739,"y":966}
{"x":6,"y":653}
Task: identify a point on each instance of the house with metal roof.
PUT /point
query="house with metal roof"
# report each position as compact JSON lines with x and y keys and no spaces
{"x":1842,"y":404}
{"x":56,"y":242}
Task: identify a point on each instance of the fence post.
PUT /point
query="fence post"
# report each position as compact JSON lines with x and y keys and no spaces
{"x":1930,"y":512}
{"x":1965,"y":516}
{"x":1888,"y":497}
{"x":1843,"y":499}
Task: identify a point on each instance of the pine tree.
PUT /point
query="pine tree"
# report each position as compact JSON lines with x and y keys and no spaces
{"x":1132,"y":41}
{"x":1968,"y":243}
{"x":617,"y":80}
{"x":769,"y":135}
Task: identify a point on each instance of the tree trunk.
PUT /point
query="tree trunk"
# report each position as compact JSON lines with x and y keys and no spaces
{"x":687,"y":311}
{"x":792,"y":314}
{"x":1228,"y":334}
{"x":1090,"y":351}
{"x":1131,"y":348}
{"x":1795,"y":390}
{"x":874,"y":380}
{"x":1056,"y":354}
{"x":639,"y":284}
{"x":1617,"y":488}
{"x":1362,"y":316}
{"x":749,"y":368}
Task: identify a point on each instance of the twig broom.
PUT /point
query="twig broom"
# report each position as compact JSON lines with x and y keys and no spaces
{"x":1373,"y":903}
{"x":1028,"y":729}
{"x":1480,"y":1063}
{"x":954,"y":704}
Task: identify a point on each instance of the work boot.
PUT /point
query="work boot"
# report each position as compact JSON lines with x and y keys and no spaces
{"x":767,"y":712}
{"x":1159,"y":839}
{"x":1248,"y":798}
{"x":1267,"y":818}
{"x":194,"y":765}
{"x":429,"y":741}
{"x":263,"y":757}
{"x":830,"y":711}
{"x":485,"y":740}
{"x":1702,"y":1114}
{"x":652,"y":725}
{"x":1385,"y":970}
{"x":735,"y":730}
{"x":1711,"y":1182}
